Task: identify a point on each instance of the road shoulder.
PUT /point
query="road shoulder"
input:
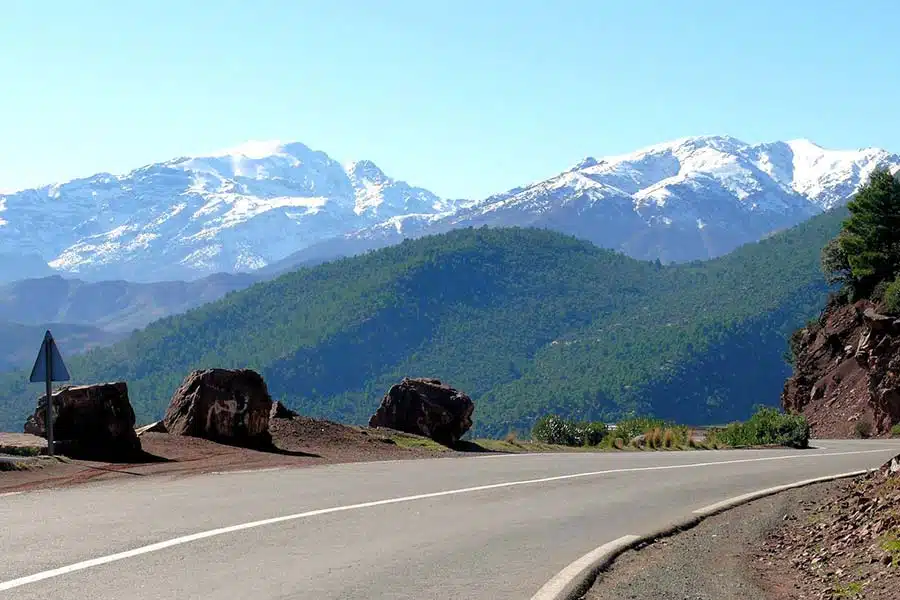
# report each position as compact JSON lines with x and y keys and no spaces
{"x":719,"y":559}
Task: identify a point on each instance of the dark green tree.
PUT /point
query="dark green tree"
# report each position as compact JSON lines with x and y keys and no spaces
{"x":871,"y":235}
{"x":835,"y":264}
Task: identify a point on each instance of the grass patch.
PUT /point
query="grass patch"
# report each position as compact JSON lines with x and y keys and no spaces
{"x":20,"y":450}
{"x":853,"y":589}
{"x":891,"y":544}
{"x":416,"y":442}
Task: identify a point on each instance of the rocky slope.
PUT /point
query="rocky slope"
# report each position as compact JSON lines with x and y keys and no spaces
{"x":275,"y":206}
{"x":844,"y":544}
{"x":847,"y":372}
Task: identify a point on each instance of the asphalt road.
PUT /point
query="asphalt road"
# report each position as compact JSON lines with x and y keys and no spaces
{"x":480,"y":527}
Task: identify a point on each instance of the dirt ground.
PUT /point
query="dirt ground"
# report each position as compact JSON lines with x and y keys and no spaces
{"x":298,"y":442}
{"x":845,"y":543}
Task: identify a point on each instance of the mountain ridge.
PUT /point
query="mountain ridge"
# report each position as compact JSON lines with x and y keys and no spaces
{"x":607,"y":335}
{"x":273,"y":205}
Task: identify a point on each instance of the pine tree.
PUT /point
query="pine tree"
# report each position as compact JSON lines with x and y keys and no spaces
{"x":871,"y":236}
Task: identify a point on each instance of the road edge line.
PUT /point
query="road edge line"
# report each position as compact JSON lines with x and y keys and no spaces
{"x":577,"y":577}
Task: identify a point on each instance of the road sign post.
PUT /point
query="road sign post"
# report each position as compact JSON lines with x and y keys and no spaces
{"x":49,"y":367}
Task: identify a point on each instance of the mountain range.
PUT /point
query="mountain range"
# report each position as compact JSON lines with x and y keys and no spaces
{"x":526,"y":321}
{"x":269,"y":207}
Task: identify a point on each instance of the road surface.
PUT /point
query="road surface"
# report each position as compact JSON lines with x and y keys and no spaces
{"x":480,"y":527}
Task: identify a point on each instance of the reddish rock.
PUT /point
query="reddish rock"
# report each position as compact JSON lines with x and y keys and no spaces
{"x":223,"y":405}
{"x":426,"y":407}
{"x":94,"y":421}
{"x":847,"y":370}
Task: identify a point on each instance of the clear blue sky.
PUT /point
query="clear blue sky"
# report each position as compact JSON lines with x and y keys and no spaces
{"x":464,"y":98}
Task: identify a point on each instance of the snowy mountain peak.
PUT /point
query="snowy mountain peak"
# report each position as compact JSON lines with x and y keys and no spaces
{"x":231,"y":210}
{"x":585,"y":163}
{"x":248,"y":206}
{"x":366,"y":171}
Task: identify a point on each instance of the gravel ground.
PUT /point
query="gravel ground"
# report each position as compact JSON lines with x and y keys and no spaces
{"x":716,"y":560}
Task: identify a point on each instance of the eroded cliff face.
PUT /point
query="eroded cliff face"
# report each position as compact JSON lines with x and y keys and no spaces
{"x":847,"y":371}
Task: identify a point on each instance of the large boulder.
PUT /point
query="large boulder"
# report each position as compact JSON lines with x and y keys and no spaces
{"x":94,"y":421}
{"x":222,"y":405}
{"x":425,"y":407}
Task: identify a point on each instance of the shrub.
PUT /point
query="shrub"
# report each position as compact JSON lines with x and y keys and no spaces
{"x":895,"y":430}
{"x":891,"y":298}
{"x":553,"y":429}
{"x":768,"y":426}
{"x":863,"y":428}
{"x":593,"y":432}
{"x":628,"y":429}
{"x":878,"y":291}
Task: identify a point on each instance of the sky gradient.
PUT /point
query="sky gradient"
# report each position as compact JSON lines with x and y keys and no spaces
{"x":463,"y":98}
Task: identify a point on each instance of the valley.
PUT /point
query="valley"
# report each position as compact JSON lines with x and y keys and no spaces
{"x":607,"y":335}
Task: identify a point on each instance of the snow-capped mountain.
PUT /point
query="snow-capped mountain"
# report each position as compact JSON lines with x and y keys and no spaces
{"x":271,"y":206}
{"x":692,"y":198}
{"x":235,"y":210}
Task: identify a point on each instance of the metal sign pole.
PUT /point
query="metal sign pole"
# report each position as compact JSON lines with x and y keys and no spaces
{"x":49,"y":360}
{"x":49,"y":367}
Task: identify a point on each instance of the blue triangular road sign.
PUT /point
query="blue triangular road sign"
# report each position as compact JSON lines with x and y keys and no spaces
{"x":58,"y":371}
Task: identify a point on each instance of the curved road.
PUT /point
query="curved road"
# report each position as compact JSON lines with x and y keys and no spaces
{"x":480,"y":527}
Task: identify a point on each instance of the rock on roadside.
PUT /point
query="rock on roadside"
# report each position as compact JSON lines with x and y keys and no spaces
{"x":230,"y":406}
{"x":95,"y":421}
{"x":280,"y":411}
{"x":426,"y":407}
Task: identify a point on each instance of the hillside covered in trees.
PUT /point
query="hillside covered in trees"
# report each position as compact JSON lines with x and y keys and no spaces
{"x":847,"y":362}
{"x":526,"y":321}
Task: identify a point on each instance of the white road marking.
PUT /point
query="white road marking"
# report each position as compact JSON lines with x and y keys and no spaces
{"x":9,"y":494}
{"x":565,"y":583}
{"x":102,"y":560}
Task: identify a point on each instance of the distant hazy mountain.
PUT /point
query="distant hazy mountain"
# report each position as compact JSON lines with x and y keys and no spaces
{"x":112,"y":306}
{"x":19,"y":344}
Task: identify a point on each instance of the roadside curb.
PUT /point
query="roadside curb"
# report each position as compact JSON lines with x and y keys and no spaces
{"x":576,"y":579}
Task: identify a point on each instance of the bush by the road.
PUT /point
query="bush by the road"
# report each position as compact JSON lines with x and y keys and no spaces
{"x":768,"y":426}
{"x":553,"y":429}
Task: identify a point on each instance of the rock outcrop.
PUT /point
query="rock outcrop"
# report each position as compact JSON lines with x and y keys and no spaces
{"x":847,"y":372}
{"x":222,"y":405}
{"x":425,"y":407}
{"x":95,"y":421}
{"x":280,"y":411}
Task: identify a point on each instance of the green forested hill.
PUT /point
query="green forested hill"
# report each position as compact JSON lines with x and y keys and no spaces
{"x":525,"y":321}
